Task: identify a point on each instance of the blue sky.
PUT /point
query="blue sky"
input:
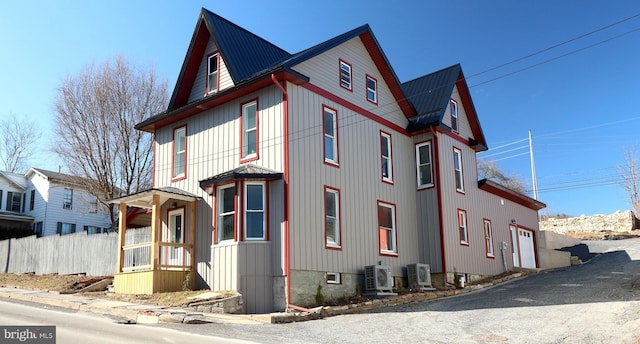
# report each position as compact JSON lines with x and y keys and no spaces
{"x":583,"y":107}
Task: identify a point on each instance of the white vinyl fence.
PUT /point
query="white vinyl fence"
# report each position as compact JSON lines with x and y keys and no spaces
{"x":94,"y":254}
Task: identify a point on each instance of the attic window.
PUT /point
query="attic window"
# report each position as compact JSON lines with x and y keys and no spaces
{"x":372,"y":89}
{"x":345,"y":75}
{"x":212,"y":73}
{"x":453,"y":106}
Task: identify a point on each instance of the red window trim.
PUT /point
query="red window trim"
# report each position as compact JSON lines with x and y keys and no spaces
{"x":336,"y":137}
{"x":456,"y":130}
{"x":327,"y":245}
{"x":236,"y":203}
{"x":486,"y":247}
{"x":250,"y":158}
{"x":466,"y":224}
{"x":388,"y":135}
{"x":340,"y":62}
{"x":366,"y":89}
{"x":207,"y":91}
{"x":173,"y":155}
{"x":460,"y":191}
{"x":433,"y":178}
{"x":243,"y":210}
{"x":395,"y":227}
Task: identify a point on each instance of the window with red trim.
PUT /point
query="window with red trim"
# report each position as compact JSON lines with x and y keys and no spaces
{"x":332,"y":217}
{"x":254,"y":211}
{"x":179,"y":153}
{"x":226,"y":201}
{"x":457,"y":166}
{"x":423,"y":165}
{"x":462,"y":227}
{"x":213,"y":63}
{"x":453,"y":109}
{"x":250,"y":131}
{"x":387,"y":228}
{"x":330,"y":125}
{"x":345,"y":76}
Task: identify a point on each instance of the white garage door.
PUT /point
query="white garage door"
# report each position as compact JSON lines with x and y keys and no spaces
{"x":527,"y":252}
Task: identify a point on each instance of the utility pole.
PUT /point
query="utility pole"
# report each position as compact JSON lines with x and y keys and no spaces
{"x":533,"y":168}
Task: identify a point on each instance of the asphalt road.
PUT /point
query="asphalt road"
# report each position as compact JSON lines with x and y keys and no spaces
{"x":597,"y":302}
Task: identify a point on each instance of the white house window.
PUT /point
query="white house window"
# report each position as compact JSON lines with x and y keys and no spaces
{"x":457,"y":165}
{"x":32,"y":200}
{"x":93,"y":229}
{"x":332,"y":217}
{"x":345,"y":75}
{"x":212,"y":73}
{"x":453,"y":106}
{"x":67,"y":200}
{"x":226,"y":213}
{"x":65,"y":228}
{"x":179,"y":153}
{"x":423,"y":165}
{"x":250,"y":130}
{"x":14,"y":201}
{"x":255,"y":218}
{"x":488,"y":238}
{"x":462,"y":227}
{"x":387,"y":165}
{"x":387,"y":228}
{"x":330,"y":124}
{"x":372,"y":89}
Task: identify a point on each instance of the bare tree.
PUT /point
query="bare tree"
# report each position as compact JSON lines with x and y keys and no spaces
{"x":18,"y":139}
{"x":630,"y":175}
{"x":96,"y":111}
{"x":489,"y":169}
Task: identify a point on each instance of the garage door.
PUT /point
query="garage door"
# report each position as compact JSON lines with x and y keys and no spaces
{"x":527,"y":251}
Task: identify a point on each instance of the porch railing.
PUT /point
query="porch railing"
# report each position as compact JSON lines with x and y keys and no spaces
{"x":137,"y":252}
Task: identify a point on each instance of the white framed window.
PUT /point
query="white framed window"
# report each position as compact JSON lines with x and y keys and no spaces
{"x":332,"y":217}
{"x":457,"y":166}
{"x":372,"y":89}
{"x":330,"y":125}
{"x":65,"y":228}
{"x":424,"y":169}
{"x":453,"y":109}
{"x":249,"y":131}
{"x":67,"y":200}
{"x":462,"y":227}
{"x":387,"y":228}
{"x":345,"y":76}
{"x":386,"y":157}
{"x":212,"y":72}
{"x":254,"y":213}
{"x":179,"y":153}
{"x":226,"y":213}
{"x":333,"y":278}
{"x":488,"y":238}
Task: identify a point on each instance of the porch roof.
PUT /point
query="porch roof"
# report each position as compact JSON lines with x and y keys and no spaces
{"x":144,"y":199}
{"x":11,"y":216}
{"x":242,"y":172}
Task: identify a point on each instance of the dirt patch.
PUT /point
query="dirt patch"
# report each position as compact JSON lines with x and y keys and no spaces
{"x":59,"y":283}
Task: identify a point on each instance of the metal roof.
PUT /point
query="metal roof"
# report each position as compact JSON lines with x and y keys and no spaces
{"x":144,"y":199}
{"x":430,"y":95}
{"x":242,"y":172}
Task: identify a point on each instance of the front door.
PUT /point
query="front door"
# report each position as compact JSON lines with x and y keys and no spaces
{"x":175,"y":235}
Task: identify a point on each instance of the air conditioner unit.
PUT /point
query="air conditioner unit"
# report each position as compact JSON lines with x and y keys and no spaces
{"x":66,"y":205}
{"x":419,"y":275}
{"x":377,"y":277}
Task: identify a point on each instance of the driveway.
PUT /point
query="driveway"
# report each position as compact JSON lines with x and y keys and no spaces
{"x":597,"y":302}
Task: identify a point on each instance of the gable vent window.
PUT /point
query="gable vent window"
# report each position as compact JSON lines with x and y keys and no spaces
{"x":453,"y":106}
{"x":212,"y":73}
{"x":345,"y":75}
{"x":372,"y":89}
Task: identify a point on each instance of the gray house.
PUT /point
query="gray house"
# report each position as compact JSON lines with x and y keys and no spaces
{"x":276,"y":173}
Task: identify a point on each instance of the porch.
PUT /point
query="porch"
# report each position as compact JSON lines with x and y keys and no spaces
{"x":158,"y":257}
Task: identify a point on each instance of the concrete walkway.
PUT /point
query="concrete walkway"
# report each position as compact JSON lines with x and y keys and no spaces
{"x":132,"y":312}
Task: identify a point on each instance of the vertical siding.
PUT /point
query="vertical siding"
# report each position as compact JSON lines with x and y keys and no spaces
{"x":479,"y":205}
{"x":213,"y":141}
{"x":464,"y":129}
{"x":324,"y":71}
{"x":200,"y":84}
{"x":360,"y":183}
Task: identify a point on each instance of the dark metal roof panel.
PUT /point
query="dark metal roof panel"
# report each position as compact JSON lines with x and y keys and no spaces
{"x":242,"y":172}
{"x":244,"y":53}
{"x":429,"y":95}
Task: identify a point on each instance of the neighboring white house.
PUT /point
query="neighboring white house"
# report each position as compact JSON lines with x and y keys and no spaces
{"x":49,"y":203}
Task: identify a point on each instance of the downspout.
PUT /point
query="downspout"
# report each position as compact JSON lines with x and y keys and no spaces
{"x":287,"y":236}
{"x":438,"y":190}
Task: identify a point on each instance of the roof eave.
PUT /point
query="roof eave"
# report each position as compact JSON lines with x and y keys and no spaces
{"x":516,"y":197}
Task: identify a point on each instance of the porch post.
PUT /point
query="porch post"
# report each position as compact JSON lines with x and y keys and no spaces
{"x":192,"y":235}
{"x":122,"y":228}
{"x":156,"y":227}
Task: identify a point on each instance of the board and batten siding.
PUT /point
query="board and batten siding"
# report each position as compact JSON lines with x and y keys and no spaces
{"x":428,"y":212}
{"x":478,"y":205}
{"x":213,"y":147}
{"x":200,"y":84}
{"x":324,"y":72}
{"x":360,"y":183}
